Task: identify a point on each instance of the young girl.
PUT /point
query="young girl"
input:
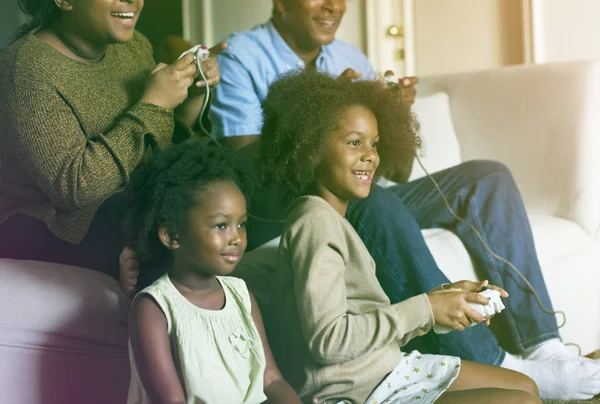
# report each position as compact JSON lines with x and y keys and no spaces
{"x":196,"y":335}
{"x":338,"y":338}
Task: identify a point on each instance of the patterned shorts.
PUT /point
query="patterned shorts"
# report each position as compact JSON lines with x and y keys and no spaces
{"x":418,"y":378}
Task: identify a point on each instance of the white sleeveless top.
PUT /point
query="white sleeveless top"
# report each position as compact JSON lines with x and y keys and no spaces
{"x":218,"y":354}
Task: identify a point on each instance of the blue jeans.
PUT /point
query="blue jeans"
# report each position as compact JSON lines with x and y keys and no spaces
{"x":484,"y":193}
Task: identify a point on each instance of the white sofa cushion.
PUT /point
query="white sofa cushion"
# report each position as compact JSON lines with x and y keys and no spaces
{"x":441,"y":149}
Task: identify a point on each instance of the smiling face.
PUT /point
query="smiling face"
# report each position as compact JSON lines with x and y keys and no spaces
{"x":212,"y":239}
{"x":351,"y":159}
{"x":310,"y":23}
{"x":103,"y":21}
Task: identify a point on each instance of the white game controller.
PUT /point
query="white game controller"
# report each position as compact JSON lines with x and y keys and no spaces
{"x":393,"y":81}
{"x":200,"y":52}
{"x":494,"y":306}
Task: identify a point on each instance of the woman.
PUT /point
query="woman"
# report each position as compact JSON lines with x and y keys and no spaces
{"x":82,"y":104}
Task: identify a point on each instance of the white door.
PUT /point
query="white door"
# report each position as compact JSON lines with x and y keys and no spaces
{"x":446,"y":36}
{"x":389,"y":35}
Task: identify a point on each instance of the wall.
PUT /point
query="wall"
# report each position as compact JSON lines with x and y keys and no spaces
{"x":11,"y":18}
{"x":461,"y":35}
{"x":160,"y":19}
{"x":237,"y":15}
{"x":567,"y":30}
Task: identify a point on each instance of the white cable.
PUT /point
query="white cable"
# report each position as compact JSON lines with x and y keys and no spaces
{"x":198,"y":60}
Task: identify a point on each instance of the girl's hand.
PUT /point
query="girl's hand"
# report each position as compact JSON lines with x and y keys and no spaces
{"x":210,"y":67}
{"x":451,"y":307}
{"x":129,"y":270}
{"x":168,"y":85}
{"x":471,"y":286}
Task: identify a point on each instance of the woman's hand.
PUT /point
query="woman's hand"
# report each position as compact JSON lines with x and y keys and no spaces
{"x":189,"y":112}
{"x":168,"y":85}
{"x":211,"y":71}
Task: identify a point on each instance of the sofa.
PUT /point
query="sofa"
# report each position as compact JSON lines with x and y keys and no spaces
{"x":63,"y":330}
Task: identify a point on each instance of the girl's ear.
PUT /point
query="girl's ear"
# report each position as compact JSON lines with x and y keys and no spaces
{"x":171,"y":241}
{"x":64,"y":5}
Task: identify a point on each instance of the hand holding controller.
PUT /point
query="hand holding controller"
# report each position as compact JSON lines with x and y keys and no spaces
{"x":494,"y":306}
{"x":200,"y":52}
{"x":392,"y":80}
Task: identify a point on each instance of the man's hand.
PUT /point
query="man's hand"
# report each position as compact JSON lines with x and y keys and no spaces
{"x":407,"y":88}
{"x":350,"y":74}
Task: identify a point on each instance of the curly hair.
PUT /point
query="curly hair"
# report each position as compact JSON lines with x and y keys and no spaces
{"x":165,"y":188}
{"x":303,"y":107}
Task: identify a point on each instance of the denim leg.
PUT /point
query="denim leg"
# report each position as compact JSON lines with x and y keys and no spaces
{"x":485,"y":194}
{"x":406,"y":268}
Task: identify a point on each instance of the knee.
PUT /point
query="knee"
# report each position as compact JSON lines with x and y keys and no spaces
{"x":491,"y":172}
{"x":528,"y":385}
{"x":487,"y":167}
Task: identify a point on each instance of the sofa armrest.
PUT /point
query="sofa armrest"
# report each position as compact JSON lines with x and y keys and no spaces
{"x":543,"y":122}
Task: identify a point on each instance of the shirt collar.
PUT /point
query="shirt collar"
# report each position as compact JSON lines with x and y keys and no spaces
{"x":292,"y":60}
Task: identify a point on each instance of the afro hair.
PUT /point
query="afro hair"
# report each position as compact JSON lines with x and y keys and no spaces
{"x":163,"y":190}
{"x":303,"y":107}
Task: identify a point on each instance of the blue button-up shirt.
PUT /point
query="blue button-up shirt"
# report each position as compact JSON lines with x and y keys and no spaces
{"x":252,"y":61}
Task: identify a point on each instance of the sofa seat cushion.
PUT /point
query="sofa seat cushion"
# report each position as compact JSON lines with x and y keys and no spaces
{"x":63,"y":335}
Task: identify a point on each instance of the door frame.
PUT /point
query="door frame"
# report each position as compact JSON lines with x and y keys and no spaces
{"x":532,"y":33}
{"x":197,"y":33}
{"x":377,"y":49}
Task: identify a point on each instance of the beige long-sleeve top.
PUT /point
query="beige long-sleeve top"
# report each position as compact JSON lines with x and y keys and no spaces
{"x":71,"y":133}
{"x":337,"y":335}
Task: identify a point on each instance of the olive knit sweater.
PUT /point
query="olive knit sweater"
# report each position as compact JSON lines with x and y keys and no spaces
{"x":71,"y":133}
